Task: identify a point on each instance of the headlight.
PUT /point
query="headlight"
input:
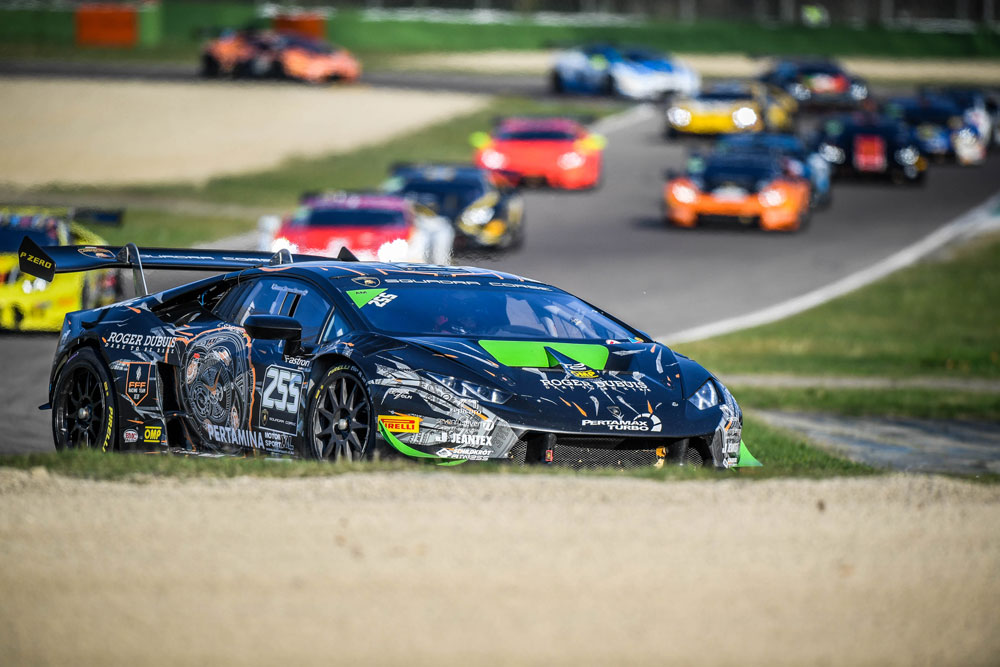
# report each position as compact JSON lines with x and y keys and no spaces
{"x":477,"y":216}
{"x":470,"y":390}
{"x":744,"y":117}
{"x":800,"y":92}
{"x":570,"y":160}
{"x":771,"y":197}
{"x":706,"y":397}
{"x":493,"y":159}
{"x":964,"y":136}
{"x":679,"y":117}
{"x":832,"y":153}
{"x":908,"y":155}
{"x":685,"y":194}
{"x":859,"y":91}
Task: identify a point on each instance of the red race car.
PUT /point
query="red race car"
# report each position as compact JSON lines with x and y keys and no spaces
{"x":375,"y":227}
{"x":558,"y":152}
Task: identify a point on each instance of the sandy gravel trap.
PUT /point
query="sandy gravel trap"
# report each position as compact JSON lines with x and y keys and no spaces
{"x":126,"y":132}
{"x":444,"y":569}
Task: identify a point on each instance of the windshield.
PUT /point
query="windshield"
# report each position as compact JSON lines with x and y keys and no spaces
{"x":348,"y":217}
{"x":452,"y":197}
{"x":725,"y":95}
{"x":10,"y":238}
{"x":536,"y":135}
{"x":748,"y":176}
{"x":524,"y":311}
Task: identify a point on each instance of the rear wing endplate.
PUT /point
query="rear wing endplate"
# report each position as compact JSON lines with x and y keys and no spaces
{"x":46,"y":262}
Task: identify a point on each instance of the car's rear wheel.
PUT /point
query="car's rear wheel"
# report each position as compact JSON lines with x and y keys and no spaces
{"x":556,"y":83}
{"x":209,"y":66}
{"x":83,"y":415}
{"x":341,"y":424}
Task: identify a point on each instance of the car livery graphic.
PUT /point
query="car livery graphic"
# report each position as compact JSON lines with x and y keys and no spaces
{"x":343,"y":360}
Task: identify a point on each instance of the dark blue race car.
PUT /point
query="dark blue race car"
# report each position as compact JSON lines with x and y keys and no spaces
{"x":817,"y":83}
{"x":342,"y":360}
{"x":799,"y":160}
{"x":941,"y":128}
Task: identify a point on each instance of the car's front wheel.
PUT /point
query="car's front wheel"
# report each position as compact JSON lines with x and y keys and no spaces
{"x":341,"y":419}
{"x":83,"y":414}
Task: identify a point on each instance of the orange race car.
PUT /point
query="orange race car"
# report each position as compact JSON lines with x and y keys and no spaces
{"x":558,"y":152}
{"x":737,"y":188}
{"x":263,"y":54}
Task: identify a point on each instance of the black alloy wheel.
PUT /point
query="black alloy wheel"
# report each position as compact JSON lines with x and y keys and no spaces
{"x":82,"y":412}
{"x":342,"y":423}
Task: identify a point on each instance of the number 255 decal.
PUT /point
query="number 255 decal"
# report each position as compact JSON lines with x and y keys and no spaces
{"x":281,"y":389}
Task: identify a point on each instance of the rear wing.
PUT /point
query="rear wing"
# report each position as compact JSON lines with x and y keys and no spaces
{"x":46,"y":262}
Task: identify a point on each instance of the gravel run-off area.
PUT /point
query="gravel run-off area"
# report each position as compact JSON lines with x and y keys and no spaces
{"x":444,"y":569}
{"x":71,"y":131}
{"x":720,"y":65}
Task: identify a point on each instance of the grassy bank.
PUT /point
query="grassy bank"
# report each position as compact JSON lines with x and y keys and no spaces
{"x":939,"y":318}
{"x":151,"y":227}
{"x":783,"y":455}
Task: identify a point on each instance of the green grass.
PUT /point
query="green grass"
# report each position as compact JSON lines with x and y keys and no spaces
{"x":185,"y":25}
{"x":783,"y":455}
{"x":149,"y":227}
{"x":919,"y":403}
{"x":365,"y":167}
{"x":934,"y":319}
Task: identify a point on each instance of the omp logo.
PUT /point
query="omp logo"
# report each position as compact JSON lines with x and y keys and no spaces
{"x":152,"y":434}
{"x":400,"y":423}
{"x":31,"y":259}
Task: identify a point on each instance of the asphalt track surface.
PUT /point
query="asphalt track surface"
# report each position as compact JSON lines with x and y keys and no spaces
{"x":611,"y":247}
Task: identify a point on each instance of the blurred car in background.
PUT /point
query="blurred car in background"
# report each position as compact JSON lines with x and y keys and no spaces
{"x":871,"y":145}
{"x":33,"y":304}
{"x":373,"y":226}
{"x":634,"y":73}
{"x":729,"y":107}
{"x":941,"y":128}
{"x":798,"y":160}
{"x":556,"y":151}
{"x":485,"y":216}
{"x":738,"y":188}
{"x":252,"y":53}
{"x":978,"y":108}
{"x":817,"y":83}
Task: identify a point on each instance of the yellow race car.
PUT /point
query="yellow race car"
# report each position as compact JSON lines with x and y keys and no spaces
{"x":33,"y":304}
{"x":729,"y":108}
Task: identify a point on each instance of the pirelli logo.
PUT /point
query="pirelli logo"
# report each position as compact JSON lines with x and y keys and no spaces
{"x":31,"y":259}
{"x":400,"y":423}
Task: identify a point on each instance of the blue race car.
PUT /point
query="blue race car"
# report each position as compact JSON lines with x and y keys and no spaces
{"x":940,"y":128}
{"x":817,"y":83}
{"x":629,"y":72}
{"x":799,"y":161}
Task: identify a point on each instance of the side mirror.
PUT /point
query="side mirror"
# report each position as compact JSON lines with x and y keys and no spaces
{"x":275,"y":327}
{"x":479,"y":139}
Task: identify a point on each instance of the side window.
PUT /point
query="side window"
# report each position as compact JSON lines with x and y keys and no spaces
{"x":311,"y":310}
{"x":268,"y":297}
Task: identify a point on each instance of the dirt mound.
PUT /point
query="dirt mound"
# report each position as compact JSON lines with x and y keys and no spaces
{"x":452,"y":569}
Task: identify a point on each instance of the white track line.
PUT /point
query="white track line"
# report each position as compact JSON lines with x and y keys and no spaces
{"x":623,"y":119}
{"x":979,"y":220}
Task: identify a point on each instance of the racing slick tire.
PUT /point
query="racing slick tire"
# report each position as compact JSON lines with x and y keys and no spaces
{"x":609,"y":86}
{"x":83,"y":404}
{"x":209,"y":67}
{"x":341,"y":421}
